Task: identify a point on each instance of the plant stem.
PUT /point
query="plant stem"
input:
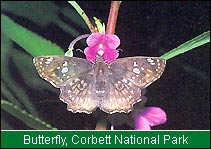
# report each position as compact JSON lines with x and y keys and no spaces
{"x":83,"y":15}
{"x":110,"y":29}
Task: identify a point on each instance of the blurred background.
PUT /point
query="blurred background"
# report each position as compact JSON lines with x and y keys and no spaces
{"x":144,"y":28}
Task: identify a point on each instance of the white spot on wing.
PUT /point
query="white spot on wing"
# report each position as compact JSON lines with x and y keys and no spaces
{"x":47,"y":62}
{"x":136,"y":70}
{"x":49,"y":59}
{"x":150,"y":60}
{"x":100,"y":92}
{"x":64,"y":70}
{"x":65,"y":63}
{"x":135,"y":64}
{"x":124,"y":80}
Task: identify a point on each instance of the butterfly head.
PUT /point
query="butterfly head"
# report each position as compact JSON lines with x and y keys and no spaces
{"x":99,"y":58}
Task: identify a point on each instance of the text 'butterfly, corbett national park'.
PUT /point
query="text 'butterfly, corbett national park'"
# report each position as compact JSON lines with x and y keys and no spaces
{"x":100,"y":80}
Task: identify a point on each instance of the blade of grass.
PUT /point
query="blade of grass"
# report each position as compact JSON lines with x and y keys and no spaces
{"x":189,"y":45}
{"x":7,"y":93}
{"x":37,"y":16}
{"x":28,"y":119}
{"x":23,"y":62}
{"x":6,"y":76}
{"x":31,"y":42}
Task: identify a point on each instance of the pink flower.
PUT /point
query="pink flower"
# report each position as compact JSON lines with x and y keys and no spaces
{"x":150,"y":116}
{"x":103,"y":45}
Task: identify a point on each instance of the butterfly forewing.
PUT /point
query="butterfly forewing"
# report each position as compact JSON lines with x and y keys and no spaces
{"x":141,"y":71}
{"x":58,"y":69}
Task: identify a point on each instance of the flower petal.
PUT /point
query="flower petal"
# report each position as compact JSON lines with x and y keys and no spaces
{"x":112,"y":41}
{"x":94,"y":39}
{"x":104,"y":45}
{"x":90,"y":54}
{"x":150,"y":116}
{"x":141,"y":123}
{"x":154,"y":115}
{"x":110,"y":55}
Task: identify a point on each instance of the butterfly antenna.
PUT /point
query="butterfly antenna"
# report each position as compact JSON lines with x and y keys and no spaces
{"x":79,"y":50}
{"x":120,"y":49}
{"x":71,"y":46}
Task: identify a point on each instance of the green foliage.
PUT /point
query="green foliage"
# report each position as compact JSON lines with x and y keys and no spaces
{"x":28,"y":119}
{"x":31,"y":42}
{"x":44,"y":13}
{"x":189,"y":45}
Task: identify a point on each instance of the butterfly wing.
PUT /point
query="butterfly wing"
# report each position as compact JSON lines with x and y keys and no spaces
{"x":73,"y":76}
{"x":120,"y":97}
{"x":58,"y":69}
{"x":127,"y":76}
{"x":141,"y":71}
{"x":78,"y":94}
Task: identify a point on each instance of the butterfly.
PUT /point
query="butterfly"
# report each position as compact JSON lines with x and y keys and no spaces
{"x":86,"y":86}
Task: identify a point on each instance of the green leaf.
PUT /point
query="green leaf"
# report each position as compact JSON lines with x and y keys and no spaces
{"x":189,"y":45}
{"x":12,"y":87}
{"x":100,"y":25}
{"x":8,"y":94}
{"x":28,"y":119}
{"x":31,"y":42}
{"x":23,"y":62}
{"x":36,"y":15}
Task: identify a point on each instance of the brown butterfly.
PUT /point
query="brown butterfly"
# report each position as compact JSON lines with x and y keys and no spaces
{"x":113,"y":87}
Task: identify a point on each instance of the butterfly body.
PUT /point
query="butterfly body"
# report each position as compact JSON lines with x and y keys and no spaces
{"x":113,"y":87}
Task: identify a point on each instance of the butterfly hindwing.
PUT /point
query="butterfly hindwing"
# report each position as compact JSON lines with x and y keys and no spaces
{"x":121,"y":95}
{"x":78,"y":94}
